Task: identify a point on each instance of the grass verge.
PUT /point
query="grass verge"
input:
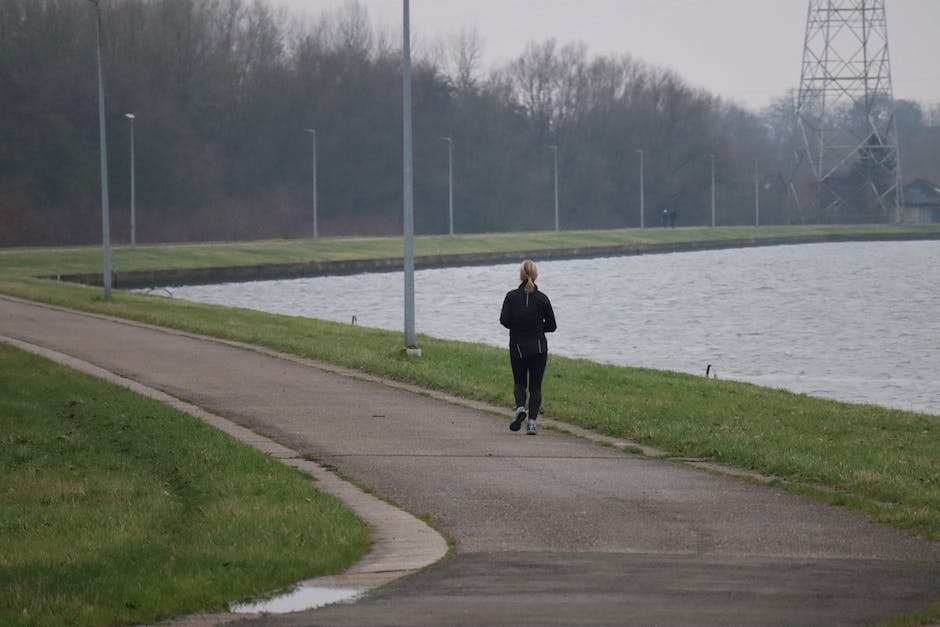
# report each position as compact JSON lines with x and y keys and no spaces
{"x":115,"y":509}
{"x":21,"y":262}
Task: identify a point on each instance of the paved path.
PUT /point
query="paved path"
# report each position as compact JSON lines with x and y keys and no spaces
{"x":549,"y":529}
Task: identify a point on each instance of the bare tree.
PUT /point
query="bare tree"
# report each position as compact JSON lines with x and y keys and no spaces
{"x":465,"y":57}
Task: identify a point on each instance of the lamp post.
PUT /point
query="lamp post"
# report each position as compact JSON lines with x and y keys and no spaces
{"x":408,"y":175}
{"x":642,"y":195}
{"x":130,"y":116}
{"x":554,"y":149}
{"x":450,"y":181}
{"x":711,"y":158}
{"x":756,"y":194}
{"x":313,"y":135}
{"x":103,"y":152}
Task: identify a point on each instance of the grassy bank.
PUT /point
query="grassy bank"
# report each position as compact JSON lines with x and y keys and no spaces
{"x":20,"y":262}
{"x":881,"y":461}
{"x":115,"y":509}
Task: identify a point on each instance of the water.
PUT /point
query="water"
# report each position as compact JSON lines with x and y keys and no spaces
{"x":858,"y":322}
{"x":300,"y":599}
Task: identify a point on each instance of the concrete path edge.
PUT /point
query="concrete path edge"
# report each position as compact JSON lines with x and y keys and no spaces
{"x":401,"y":543}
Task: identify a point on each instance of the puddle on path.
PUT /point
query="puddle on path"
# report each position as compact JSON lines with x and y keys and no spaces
{"x":303,"y":598}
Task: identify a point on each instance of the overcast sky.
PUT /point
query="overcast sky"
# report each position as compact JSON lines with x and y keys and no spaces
{"x":748,"y":51}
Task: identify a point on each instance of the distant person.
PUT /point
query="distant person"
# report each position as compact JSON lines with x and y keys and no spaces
{"x":673,"y":216}
{"x":665,"y":218}
{"x":528,"y":315}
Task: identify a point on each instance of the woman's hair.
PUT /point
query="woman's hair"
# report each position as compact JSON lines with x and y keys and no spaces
{"x":528,"y":273}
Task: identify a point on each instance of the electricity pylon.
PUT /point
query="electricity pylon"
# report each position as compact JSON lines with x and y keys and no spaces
{"x":848,"y":166}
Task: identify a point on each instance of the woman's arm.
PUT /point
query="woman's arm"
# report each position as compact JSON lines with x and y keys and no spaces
{"x":548,"y":318}
{"x":505,"y":316}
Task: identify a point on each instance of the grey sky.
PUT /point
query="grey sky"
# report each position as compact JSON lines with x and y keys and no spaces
{"x":748,"y":51}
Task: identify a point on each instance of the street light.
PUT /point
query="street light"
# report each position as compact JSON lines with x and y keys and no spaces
{"x":103,"y":152}
{"x":130,"y":116}
{"x":554,"y":149}
{"x":712,"y":159}
{"x":642,"y":196}
{"x":313,"y":135}
{"x":450,"y":181}
{"x":411,"y":347}
{"x":756,"y":195}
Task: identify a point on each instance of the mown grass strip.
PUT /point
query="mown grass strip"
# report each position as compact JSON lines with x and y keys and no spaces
{"x":75,"y":260}
{"x":115,"y":509}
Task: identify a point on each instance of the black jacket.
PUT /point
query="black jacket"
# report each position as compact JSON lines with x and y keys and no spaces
{"x":528,"y":317}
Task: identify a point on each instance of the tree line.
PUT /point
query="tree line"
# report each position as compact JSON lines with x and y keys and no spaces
{"x":223,"y":90}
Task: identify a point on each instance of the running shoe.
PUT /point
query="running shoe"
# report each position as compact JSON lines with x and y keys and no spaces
{"x":530,"y":430}
{"x":516,"y":424}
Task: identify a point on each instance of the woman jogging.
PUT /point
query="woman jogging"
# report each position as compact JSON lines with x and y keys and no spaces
{"x":528,"y":315}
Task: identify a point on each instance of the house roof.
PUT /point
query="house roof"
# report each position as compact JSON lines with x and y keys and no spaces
{"x":921,"y":192}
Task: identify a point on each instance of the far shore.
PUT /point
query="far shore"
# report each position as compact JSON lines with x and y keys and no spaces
{"x":140,"y":279}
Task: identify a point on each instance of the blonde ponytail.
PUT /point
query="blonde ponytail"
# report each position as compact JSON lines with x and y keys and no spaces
{"x":528,"y":273}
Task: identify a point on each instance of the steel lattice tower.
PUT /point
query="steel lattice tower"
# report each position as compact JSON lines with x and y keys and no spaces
{"x":849,"y":167}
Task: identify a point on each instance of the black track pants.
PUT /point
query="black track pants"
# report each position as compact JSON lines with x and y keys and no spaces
{"x":530,"y":369}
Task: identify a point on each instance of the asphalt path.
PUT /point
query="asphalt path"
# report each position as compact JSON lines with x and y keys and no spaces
{"x":552,"y":529}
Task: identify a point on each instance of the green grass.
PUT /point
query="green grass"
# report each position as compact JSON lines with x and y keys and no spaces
{"x":72,"y":260}
{"x":116,"y":509}
{"x":880,"y":461}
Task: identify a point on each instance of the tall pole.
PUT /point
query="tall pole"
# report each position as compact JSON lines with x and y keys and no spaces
{"x":712,"y":160}
{"x":130,"y":116}
{"x":847,"y":67}
{"x":409,"y":260}
{"x":756,"y":194}
{"x":313,"y":135}
{"x":642,"y":195}
{"x":554,"y":149}
{"x":450,"y":181}
{"x":103,"y":152}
